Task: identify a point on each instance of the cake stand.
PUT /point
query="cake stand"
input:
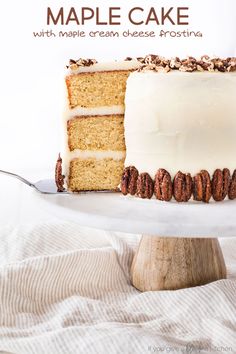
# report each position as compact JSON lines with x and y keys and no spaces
{"x":179,"y":246}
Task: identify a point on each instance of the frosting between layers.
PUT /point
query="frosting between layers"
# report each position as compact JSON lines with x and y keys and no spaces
{"x":181,"y":121}
{"x":68,"y":156}
{"x":103,"y":111}
{"x":85,"y":154}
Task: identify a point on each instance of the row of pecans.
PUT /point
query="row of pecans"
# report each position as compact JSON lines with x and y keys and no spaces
{"x":201,"y":187}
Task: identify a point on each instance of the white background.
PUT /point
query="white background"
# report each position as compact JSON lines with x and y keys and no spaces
{"x":32,"y":69}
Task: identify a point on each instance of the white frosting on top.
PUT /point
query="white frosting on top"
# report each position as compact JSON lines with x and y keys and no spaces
{"x":110,"y":66}
{"x":181,"y":121}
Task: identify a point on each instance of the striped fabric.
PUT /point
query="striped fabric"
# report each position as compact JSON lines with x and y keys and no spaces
{"x":66,"y":289}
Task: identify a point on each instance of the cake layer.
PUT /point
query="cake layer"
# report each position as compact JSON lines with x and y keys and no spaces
{"x":94,"y":174}
{"x":181,"y":121}
{"x":96,"y":89}
{"x":69,"y":156}
{"x":96,"y":133}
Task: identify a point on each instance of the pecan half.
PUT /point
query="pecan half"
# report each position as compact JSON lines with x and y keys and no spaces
{"x":220,"y":184}
{"x":202,"y":187}
{"x":59,"y":177}
{"x":163,"y":185}
{"x":129,"y":180}
{"x":232,"y":187}
{"x":182,"y":187}
{"x":144,"y":186}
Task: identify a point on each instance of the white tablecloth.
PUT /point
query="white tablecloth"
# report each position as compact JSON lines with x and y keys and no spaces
{"x":66,"y":289}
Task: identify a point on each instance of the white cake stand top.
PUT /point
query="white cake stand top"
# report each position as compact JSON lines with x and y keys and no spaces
{"x":114,"y":212}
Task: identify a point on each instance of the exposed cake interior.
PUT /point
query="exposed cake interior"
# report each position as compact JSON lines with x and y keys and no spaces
{"x":95,"y":153}
{"x":97,"y":89}
{"x":96,"y":133}
{"x":95,"y":174}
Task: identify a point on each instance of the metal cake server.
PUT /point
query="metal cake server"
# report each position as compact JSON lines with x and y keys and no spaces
{"x":46,"y":186}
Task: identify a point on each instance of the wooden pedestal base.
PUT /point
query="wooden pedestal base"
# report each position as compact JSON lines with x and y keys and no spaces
{"x":175,"y":263}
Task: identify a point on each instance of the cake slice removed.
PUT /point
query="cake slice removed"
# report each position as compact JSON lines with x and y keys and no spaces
{"x":95,"y":144}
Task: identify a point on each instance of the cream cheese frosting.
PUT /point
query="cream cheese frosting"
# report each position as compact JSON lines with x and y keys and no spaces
{"x":105,"y":66}
{"x":71,"y":113}
{"x":181,"y":121}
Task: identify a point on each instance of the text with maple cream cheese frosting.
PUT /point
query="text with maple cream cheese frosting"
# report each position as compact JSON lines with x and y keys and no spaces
{"x":112,"y":16}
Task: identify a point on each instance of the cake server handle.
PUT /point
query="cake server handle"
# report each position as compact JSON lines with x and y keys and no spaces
{"x":45,"y":186}
{"x":22,"y":179}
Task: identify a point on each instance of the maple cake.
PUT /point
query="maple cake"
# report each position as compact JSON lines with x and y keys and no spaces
{"x":176,"y":140}
{"x":95,"y":145}
{"x":180,"y":130}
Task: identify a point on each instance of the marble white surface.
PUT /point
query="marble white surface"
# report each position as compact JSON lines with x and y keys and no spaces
{"x":114,"y":212}
{"x":111,"y":211}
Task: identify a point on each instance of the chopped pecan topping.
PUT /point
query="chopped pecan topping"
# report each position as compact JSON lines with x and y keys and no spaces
{"x":75,"y":64}
{"x":202,"y":187}
{"x":128,"y":58}
{"x":163,"y":185}
{"x":220,"y":184}
{"x":160,"y":64}
{"x":182,"y":187}
{"x":129,"y":180}
{"x":152,"y":59}
{"x":231,"y":64}
{"x":189,"y":65}
{"x":59,"y":177}
{"x":175,"y":63}
{"x":144,"y":186}
{"x":232,"y":187}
